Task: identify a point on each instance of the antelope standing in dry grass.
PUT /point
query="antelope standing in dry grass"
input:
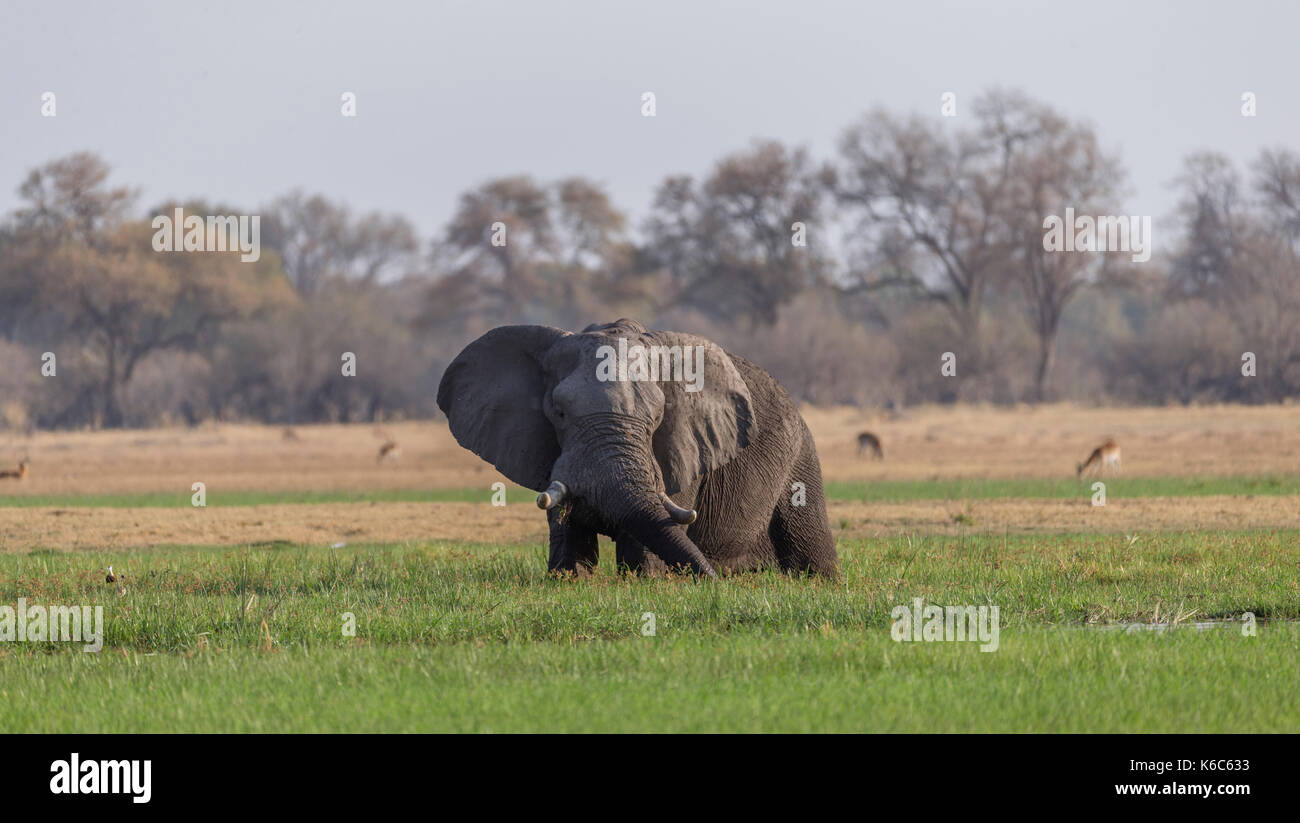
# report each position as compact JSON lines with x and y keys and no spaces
{"x":1105,"y":456}
{"x":869,"y":442}
{"x":388,"y":451}
{"x":19,"y":473}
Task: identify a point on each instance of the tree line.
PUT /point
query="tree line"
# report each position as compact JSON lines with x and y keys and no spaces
{"x":849,"y":277}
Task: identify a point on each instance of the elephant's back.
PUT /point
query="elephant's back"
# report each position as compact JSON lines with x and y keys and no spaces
{"x":766,"y":391}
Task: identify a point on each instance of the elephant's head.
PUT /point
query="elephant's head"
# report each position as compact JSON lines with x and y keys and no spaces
{"x":538,"y":403}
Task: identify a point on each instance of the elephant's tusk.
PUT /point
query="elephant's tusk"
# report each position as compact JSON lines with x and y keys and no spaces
{"x":679,"y":515}
{"x":553,"y":496}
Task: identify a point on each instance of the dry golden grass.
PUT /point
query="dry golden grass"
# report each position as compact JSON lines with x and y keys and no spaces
{"x":930,"y":443}
{"x":87,"y":528}
{"x":245,"y":457}
{"x":1049,"y":441}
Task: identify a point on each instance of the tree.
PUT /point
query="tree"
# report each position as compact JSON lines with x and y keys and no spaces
{"x":1053,"y":164}
{"x":593,"y":264}
{"x":81,"y":272}
{"x":126,"y":300}
{"x":1238,"y":253}
{"x":69,"y":200}
{"x":380,"y":246}
{"x":562,"y":252}
{"x":508,"y":270}
{"x":729,"y":243}
{"x":319,"y":241}
{"x":927,"y":211}
{"x":1215,"y":224}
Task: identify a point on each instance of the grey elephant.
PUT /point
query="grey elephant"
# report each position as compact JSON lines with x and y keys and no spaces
{"x":688,"y":457}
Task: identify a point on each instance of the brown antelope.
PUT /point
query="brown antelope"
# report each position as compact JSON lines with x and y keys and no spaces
{"x":1105,"y":456}
{"x":19,"y":473}
{"x":868,"y":441}
{"x":388,"y":450}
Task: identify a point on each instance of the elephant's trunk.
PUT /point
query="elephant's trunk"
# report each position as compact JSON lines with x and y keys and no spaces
{"x":653,"y":520}
{"x":650,"y":525}
{"x":616,"y":472}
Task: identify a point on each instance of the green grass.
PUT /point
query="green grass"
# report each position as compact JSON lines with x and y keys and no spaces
{"x":875,"y":491}
{"x":463,"y":637}
{"x":1041,"y":679}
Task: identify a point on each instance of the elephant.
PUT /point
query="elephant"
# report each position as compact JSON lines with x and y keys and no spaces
{"x":711,"y":472}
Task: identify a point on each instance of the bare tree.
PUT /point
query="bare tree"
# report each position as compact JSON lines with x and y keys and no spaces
{"x":928,"y":206}
{"x":380,"y":247}
{"x":1054,"y":165}
{"x":309,"y":233}
{"x":1216,"y":227}
{"x":69,"y":199}
{"x":507,"y":271}
{"x":319,"y":241}
{"x":729,"y":243}
{"x":1238,"y":253}
{"x":563,"y":246}
{"x":593,"y":260}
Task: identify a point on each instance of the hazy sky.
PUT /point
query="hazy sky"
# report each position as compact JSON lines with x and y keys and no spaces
{"x":239,"y":102}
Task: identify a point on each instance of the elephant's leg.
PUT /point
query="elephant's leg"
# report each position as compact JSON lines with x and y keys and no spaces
{"x":574,"y":547}
{"x":634,"y":557}
{"x":800,"y":530}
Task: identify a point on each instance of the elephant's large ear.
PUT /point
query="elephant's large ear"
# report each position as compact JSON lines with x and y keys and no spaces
{"x":492,"y":396}
{"x":705,"y":429}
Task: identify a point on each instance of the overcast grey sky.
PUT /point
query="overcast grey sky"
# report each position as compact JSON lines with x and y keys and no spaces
{"x":239,"y":102}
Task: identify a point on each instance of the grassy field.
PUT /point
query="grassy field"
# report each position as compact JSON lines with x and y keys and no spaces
{"x":1040,"y":680}
{"x":231,"y":617}
{"x":477,"y":637}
